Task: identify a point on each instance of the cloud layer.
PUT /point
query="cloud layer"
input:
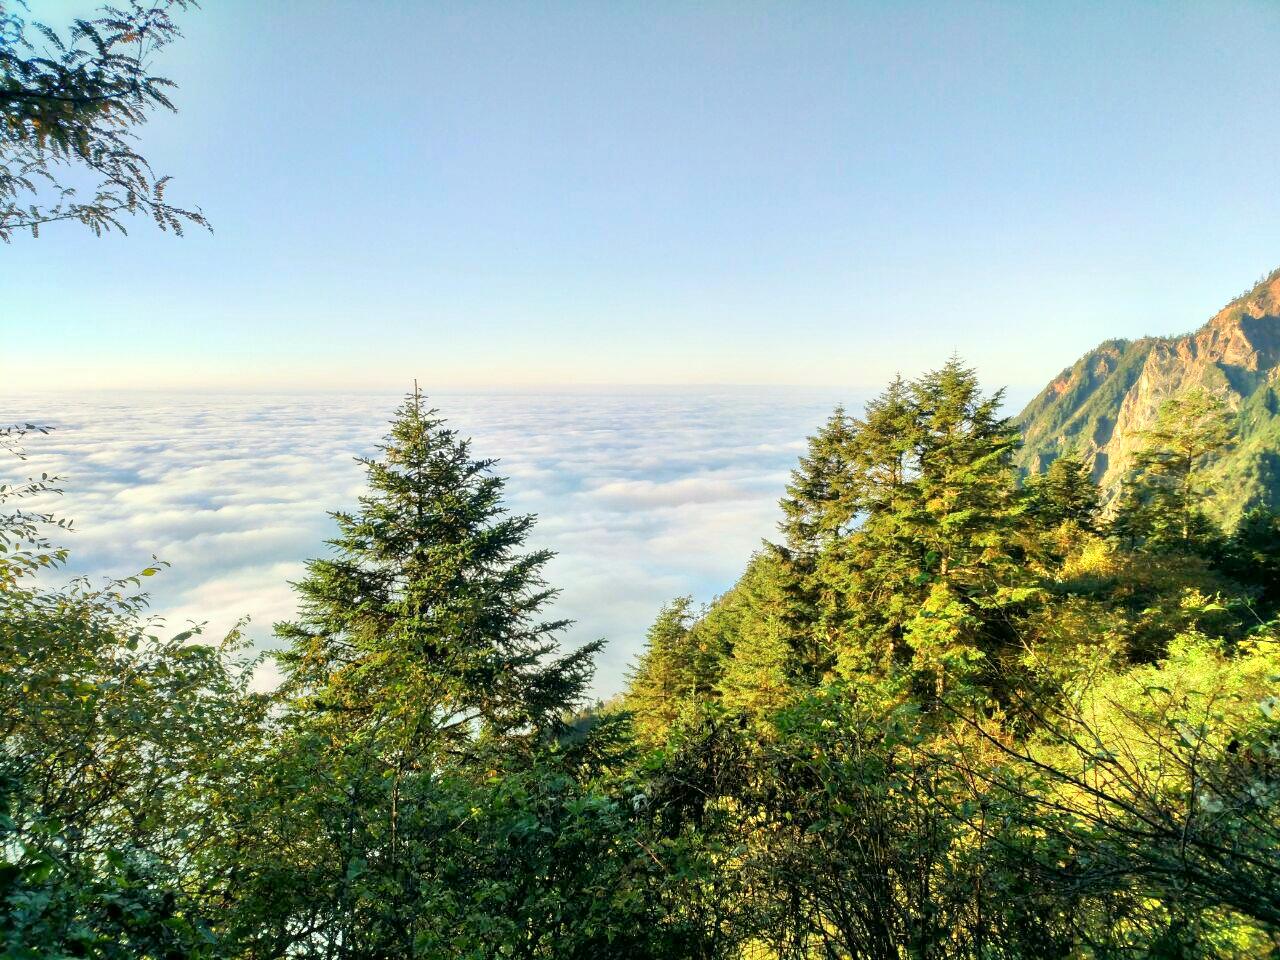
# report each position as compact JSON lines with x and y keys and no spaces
{"x":644,"y":495}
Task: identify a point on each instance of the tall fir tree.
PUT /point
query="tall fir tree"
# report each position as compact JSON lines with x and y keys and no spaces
{"x":764,"y":670}
{"x":887,"y":435}
{"x":822,"y":504}
{"x":1162,"y":503}
{"x":420,"y":668}
{"x":937,"y":553}
{"x":663,"y":681}
{"x":869,"y":577}
{"x":967,"y":521}
{"x":822,"y":496}
{"x":427,"y":620}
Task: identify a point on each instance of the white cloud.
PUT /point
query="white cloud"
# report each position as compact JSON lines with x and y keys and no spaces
{"x":644,"y":495}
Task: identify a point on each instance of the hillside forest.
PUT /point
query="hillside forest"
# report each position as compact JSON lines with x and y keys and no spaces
{"x":952,"y":711}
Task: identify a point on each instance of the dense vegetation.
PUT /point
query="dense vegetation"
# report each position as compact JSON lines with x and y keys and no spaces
{"x":948,"y":714}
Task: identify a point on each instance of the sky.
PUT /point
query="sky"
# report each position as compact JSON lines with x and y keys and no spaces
{"x":540,"y":194}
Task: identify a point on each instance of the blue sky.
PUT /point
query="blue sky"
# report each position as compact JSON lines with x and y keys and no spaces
{"x":626,"y":193}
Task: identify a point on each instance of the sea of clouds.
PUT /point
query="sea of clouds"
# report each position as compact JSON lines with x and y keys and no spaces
{"x":644,"y":495}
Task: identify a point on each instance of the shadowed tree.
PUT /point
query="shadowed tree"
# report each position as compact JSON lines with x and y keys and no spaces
{"x":427,"y":618}
{"x":1064,"y":493}
{"x":765,"y":668}
{"x":420,"y":665}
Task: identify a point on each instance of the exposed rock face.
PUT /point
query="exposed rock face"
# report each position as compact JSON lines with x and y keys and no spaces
{"x":1097,"y":408}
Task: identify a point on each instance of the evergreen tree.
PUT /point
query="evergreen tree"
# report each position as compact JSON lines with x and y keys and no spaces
{"x":887,"y":434}
{"x":939,"y":551}
{"x":764,"y":670}
{"x":420,"y":795}
{"x":1251,"y":556}
{"x":822,"y":506}
{"x":965,"y":490}
{"x":426,"y":621}
{"x":966,"y":519}
{"x":1162,"y":504}
{"x":1065,"y":493}
{"x":1064,"y":506}
{"x":822,"y":496}
{"x":870,"y":577}
{"x":663,"y":680}
{"x":419,"y":667}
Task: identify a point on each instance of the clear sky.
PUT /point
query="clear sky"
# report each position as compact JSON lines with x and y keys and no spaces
{"x":627,"y":193}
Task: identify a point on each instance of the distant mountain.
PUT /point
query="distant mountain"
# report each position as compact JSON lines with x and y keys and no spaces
{"x":1096,"y":408}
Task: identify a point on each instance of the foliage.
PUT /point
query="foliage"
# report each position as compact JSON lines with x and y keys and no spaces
{"x":121,"y":753}
{"x":850,"y":838}
{"x":1157,"y":785}
{"x":1163,"y":501}
{"x":69,"y":109}
{"x":25,"y":544}
{"x":917,"y":800}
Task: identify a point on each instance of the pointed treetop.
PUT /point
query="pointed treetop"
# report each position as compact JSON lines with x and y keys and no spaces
{"x":429,"y":612}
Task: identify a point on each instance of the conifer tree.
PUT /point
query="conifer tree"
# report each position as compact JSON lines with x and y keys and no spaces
{"x":887,"y":437}
{"x":822,"y":504}
{"x":822,"y":497}
{"x":964,"y":481}
{"x":1162,"y":504}
{"x":966,"y":519}
{"x":663,"y":679}
{"x":427,"y":619}
{"x":937,"y":551}
{"x":1252,"y":556}
{"x":420,"y":666}
{"x":1064,"y":493}
{"x":764,"y":670}
{"x":871,"y":576}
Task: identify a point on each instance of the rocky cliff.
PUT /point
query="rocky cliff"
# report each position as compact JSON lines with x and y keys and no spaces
{"x":1097,"y":408}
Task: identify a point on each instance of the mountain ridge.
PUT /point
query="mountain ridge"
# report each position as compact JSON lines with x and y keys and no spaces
{"x":1097,"y":408}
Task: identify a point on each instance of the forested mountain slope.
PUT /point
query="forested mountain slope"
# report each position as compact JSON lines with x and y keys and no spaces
{"x":1097,"y":408}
